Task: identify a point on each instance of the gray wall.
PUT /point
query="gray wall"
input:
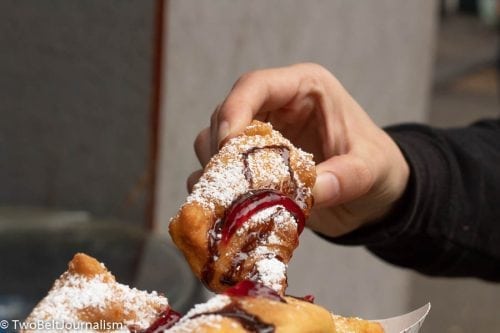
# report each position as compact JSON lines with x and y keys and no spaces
{"x":381,"y":51}
{"x":75,"y":85}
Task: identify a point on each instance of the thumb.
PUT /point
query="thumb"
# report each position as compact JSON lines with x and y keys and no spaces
{"x":341,"y":179}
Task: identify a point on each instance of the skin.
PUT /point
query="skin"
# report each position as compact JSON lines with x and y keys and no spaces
{"x":361,"y":171}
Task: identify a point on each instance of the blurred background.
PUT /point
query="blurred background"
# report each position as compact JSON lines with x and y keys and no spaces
{"x":100,"y":102}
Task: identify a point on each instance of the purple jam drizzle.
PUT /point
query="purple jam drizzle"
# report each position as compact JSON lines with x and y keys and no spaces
{"x":167,"y":319}
{"x":255,"y":289}
{"x":253,"y":202}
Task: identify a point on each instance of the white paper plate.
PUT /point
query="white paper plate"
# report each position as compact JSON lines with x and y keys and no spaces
{"x":407,"y":323}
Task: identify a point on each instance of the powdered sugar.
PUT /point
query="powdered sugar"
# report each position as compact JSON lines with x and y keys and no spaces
{"x":280,"y":216}
{"x":215,"y":303}
{"x":73,"y":293}
{"x":267,"y":166}
{"x":220,"y":184}
{"x":271,"y":272}
{"x":262,"y":251}
{"x":224,"y":180}
{"x":190,"y":324}
{"x":273,"y":239}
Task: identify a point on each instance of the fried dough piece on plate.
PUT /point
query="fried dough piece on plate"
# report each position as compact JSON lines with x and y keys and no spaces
{"x":87,"y":297}
{"x":252,"y":307}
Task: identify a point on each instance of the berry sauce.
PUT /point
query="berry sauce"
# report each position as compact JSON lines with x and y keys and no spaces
{"x":254,"y":289}
{"x":309,"y":298}
{"x":253,"y":202}
{"x":289,"y":195}
{"x":167,"y":319}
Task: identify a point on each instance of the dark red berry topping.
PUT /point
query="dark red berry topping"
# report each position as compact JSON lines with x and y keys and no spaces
{"x":166,"y":320}
{"x":255,"y":289}
{"x":253,"y":202}
{"x":308,"y":298}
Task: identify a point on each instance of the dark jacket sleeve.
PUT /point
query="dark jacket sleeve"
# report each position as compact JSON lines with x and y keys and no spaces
{"x":448,"y":221}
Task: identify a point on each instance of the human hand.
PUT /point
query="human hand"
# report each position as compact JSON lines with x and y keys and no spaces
{"x":361,"y":171}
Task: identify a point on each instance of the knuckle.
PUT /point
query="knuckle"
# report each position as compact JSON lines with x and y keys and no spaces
{"x":246,"y":77}
{"x":200,"y":138}
{"x":320,"y":74}
{"x":315,"y":68}
{"x":364,"y":175}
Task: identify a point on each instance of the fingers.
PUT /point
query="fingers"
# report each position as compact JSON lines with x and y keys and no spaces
{"x":192,"y":179}
{"x":341,"y":179}
{"x":202,"y":146}
{"x":260,"y":92}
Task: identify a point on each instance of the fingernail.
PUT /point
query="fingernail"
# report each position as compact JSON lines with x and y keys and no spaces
{"x":326,"y":189}
{"x":222,"y":133}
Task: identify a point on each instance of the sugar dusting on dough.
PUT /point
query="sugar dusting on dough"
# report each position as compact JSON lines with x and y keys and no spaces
{"x":224,"y":180}
{"x":269,"y":165}
{"x":215,"y":303}
{"x":190,"y":324}
{"x":281,"y":217}
{"x":73,"y":293}
{"x":220,"y":184}
{"x":271,"y":272}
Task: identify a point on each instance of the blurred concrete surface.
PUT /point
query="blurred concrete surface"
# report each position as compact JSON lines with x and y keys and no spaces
{"x":464,"y":44}
{"x":465,"y":78}
{"x":75,"y":85}
{"x":468,"y":97}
